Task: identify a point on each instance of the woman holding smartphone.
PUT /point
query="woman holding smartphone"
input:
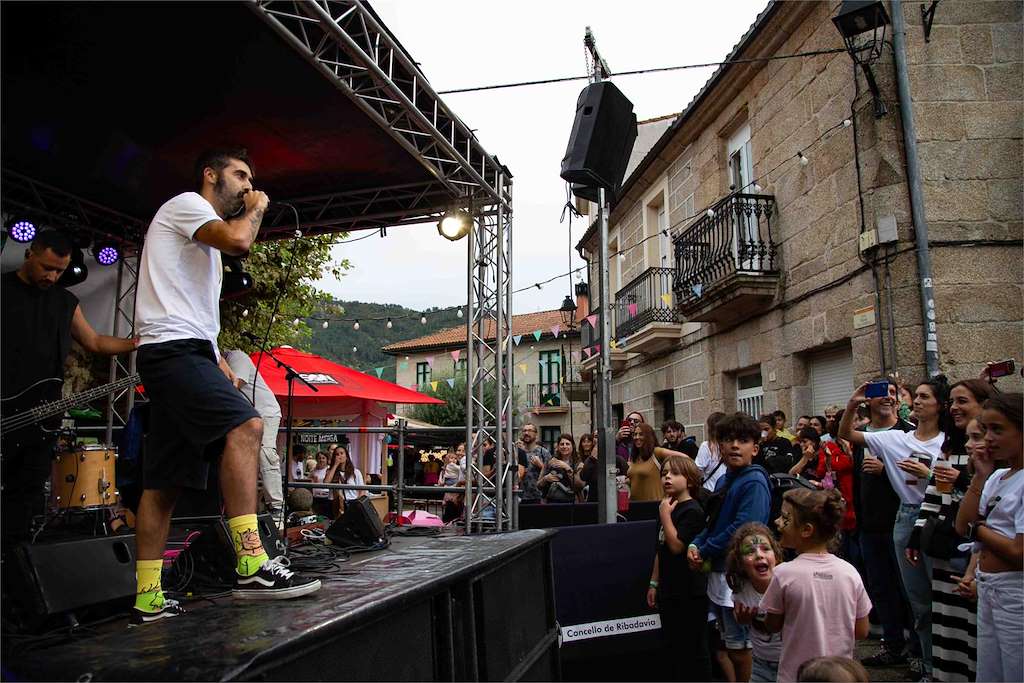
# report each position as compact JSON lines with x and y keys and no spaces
{"x":908,"y":458}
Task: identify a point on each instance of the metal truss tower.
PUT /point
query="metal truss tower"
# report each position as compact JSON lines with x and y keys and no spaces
{"x":345,"y":42}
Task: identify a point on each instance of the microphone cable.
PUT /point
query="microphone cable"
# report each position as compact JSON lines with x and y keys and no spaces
{"x":277,"y":299}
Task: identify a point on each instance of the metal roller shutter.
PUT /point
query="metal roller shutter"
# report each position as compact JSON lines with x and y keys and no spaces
{"x":831,"y":378}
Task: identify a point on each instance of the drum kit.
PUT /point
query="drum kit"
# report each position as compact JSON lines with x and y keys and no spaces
{"x":84,"y":479}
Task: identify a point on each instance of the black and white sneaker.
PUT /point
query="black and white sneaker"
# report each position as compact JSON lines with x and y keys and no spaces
{"x":274,"y":581}
{"x":171,"y":608}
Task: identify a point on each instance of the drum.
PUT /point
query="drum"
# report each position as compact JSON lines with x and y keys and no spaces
{"x":84,"y":479}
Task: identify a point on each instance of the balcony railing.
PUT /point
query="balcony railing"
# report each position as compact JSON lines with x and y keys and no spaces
{"x":642,"y":302}
{"x":545,"y":395}
{"x":735,"y":240}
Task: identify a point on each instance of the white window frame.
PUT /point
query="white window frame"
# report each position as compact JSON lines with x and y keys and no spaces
{"x":750,"y":400}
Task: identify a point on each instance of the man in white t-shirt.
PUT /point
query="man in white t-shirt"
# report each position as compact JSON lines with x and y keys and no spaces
{"x":254,"y":388}
{"x":197,"y":415}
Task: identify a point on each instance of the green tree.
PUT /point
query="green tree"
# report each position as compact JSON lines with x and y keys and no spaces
{"x":288,"y":268}
{"x":452,"y":413}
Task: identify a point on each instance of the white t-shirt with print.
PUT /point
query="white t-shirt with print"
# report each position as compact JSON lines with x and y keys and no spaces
{"x":766,"y":646}
{"x":1003,"y":499}
{"x":895,"y":445}
{"x":707,"y":460}
{"x":178,"y":295}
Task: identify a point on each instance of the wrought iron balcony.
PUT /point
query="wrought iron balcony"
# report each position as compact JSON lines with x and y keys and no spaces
{"x":643,"y":301}
{"x":726,"y":261}
{"x":546,"y":396}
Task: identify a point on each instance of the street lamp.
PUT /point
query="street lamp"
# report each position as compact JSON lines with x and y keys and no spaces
{"x":856,"y":17}
{"x":568,"y":311}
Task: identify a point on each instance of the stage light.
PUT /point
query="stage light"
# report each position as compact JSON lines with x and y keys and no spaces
{"x":106,"y":253}
{"x":76,"y":271}
{"x":455,"y":224}
{"x":22,"y":231}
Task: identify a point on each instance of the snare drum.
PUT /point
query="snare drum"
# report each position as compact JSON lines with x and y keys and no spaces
{"x":84,"y":478}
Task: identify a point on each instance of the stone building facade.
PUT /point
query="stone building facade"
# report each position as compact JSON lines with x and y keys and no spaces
{"x":772,"y":295}
{"x":546,"y":360}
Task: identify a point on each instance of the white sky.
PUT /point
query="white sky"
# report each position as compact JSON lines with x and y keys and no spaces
{"x":462,"y":43}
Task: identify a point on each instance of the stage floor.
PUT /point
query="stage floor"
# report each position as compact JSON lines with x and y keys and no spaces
{"x":425,"y":608}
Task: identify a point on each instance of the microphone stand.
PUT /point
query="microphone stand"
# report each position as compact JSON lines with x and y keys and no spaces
{"x":291,"y":374}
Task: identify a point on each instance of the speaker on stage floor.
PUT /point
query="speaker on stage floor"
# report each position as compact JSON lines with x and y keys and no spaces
{"x":359,"y":526}
{"x":601,"y":140}
{"x":61,"y":576}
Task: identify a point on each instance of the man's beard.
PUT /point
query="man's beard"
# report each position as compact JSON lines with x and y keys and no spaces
{"x":230,"y":204}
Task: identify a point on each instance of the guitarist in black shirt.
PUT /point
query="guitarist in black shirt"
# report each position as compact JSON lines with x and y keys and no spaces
{"x":39,"y":320}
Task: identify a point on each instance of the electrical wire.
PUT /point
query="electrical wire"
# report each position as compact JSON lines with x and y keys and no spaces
{"x":638,"y":72}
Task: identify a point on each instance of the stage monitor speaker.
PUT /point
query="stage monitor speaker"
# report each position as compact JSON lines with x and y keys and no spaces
{"x":210,"y":557}
{"x":601,"y":139}
{"x":62,"y":576}
{"x":359,"y":526}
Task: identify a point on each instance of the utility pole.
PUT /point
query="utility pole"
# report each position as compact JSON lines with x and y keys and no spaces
{"x":607,"y":495}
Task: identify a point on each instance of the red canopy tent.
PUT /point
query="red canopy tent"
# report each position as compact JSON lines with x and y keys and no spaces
{"x":342,"y":391}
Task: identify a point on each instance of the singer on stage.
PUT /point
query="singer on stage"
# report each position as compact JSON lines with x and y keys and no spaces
{"x":197,"y":416}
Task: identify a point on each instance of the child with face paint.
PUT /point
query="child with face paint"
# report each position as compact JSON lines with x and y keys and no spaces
{"x":817,"y":600}
{"x":750,"y":565}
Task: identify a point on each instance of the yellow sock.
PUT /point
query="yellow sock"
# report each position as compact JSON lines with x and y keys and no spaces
{"x":148,"y":596}
{"x":245,"y":535}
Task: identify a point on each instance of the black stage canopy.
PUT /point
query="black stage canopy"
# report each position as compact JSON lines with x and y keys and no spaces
{"x":112,"y":102}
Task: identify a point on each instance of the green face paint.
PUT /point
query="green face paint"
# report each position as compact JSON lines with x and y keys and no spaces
{"x":752,"y":544}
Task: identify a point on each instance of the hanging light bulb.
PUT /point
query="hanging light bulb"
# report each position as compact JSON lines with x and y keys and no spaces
{"x":757,"y":188}
{"x":356,"y":326}
{"x":295,"y":323}
{"x":324,"y":325}
{"x":847,"y":123}
{"x":622,"y":256}
{"x":458,"y":311}
{"x":407,"y":357}
{"x":423,"y":320}
{"x":803,"y":160}
{"x":390,"y":324}
{"x":711,"y":213}
{"x":245,"y":313}
{"x":354,"y":349}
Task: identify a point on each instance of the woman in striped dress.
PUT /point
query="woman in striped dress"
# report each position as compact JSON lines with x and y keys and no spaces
{"x":954,"y":618}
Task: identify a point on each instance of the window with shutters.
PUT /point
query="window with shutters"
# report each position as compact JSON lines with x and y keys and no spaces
{"x":750,"y":393}
{"x":831,"y":374}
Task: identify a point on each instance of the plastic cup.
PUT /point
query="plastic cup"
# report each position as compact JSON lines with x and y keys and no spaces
{"x":941,"y":486}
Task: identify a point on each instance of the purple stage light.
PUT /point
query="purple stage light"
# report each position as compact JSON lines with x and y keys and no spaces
{"x":107,"y":256}
{"x":23,"y":231}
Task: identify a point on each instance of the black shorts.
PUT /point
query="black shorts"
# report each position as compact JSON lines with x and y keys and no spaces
{"x":192,"y":408}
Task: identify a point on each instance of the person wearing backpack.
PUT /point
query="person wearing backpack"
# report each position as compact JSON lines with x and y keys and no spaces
{"x":742,"y":495}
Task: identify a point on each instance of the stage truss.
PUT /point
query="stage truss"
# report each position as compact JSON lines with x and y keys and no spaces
{"x":349,"y":46}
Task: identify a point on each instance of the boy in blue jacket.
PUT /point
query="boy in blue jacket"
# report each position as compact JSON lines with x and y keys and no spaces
{"x":746,"y":490}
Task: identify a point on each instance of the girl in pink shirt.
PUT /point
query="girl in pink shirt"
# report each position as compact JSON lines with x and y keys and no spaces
{"x":818,"y":600}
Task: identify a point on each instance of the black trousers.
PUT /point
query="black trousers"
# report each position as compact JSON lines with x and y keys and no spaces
{"x":23,"y":477}
{"x":684,"y":633}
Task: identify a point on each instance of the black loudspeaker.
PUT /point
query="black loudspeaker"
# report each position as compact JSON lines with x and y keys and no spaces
{"x":601,"y":140}
{"x":63,"y":576}
{"x":359,"y":526}
{"x":210,"y":557}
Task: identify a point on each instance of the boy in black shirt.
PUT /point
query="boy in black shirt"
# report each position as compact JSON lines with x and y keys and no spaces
{"x":774,"y":453}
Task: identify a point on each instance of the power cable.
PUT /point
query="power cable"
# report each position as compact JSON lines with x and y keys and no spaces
{"x":638,"y":72}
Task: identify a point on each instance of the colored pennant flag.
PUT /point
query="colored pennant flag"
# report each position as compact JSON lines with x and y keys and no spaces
{"x":433,"y":385}
{"x":698,"y":289}
{"x":632,"y":310}
{"x":451,"y":382}
{"x":613,"y":344}
{"x":587,"y":350}
{"x":555,"y":329}
{"x":455,"y":355}
{"x":379,"y":371}
{"x":524,"y":367}
{"x":430,"y":360}
{"x":504,"y":344}
{"x":592,"y":319}
{"x":537,"y":334}
{"x":597,"y":348}
{"x":667,"y":298}
{"x":517,"y":338}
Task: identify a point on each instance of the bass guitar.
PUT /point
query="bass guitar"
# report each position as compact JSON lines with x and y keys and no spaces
{"x":30,"y":414}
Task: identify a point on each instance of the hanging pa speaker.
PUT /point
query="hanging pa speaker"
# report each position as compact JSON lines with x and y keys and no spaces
{"x":601,"y":139}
